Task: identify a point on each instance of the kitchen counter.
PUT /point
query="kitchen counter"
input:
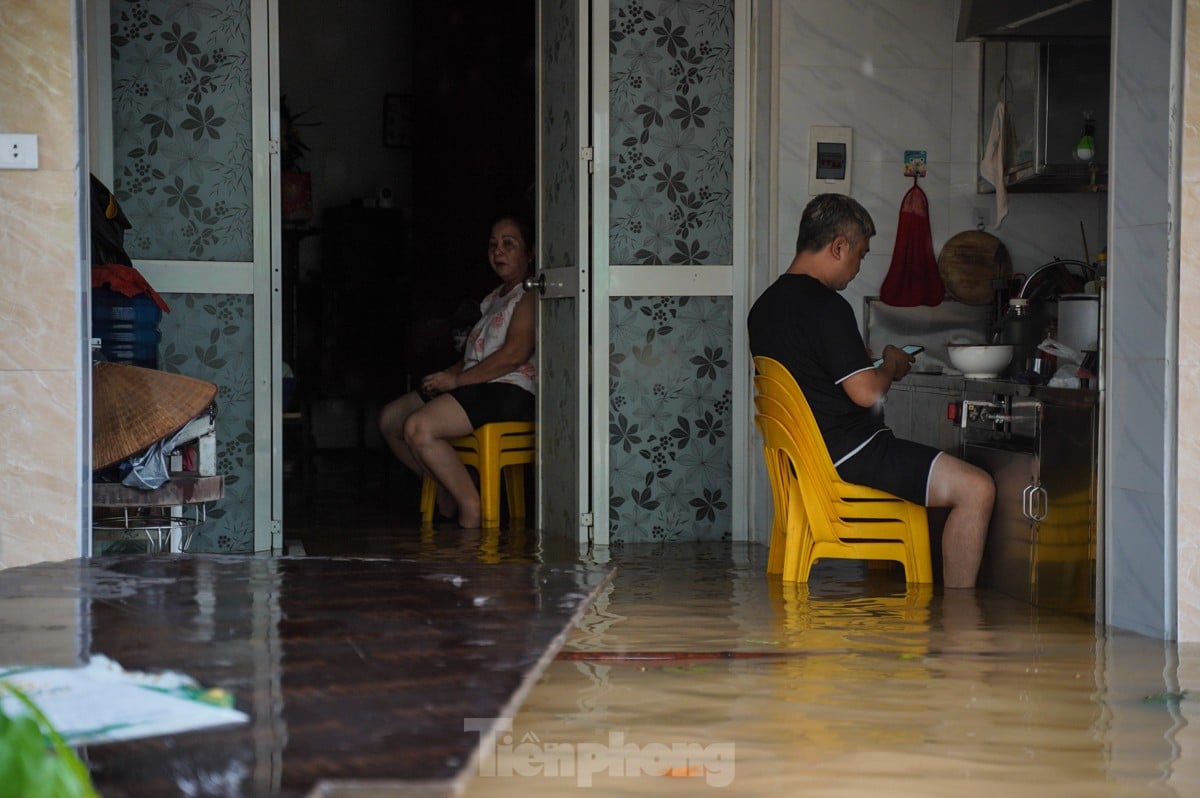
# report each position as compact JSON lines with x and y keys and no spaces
{"x":958,"y":383}
{"x":1040,"y":445}
{"x":917,"y":407}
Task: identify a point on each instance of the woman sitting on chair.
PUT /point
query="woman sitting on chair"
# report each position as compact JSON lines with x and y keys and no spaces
{"x":494,"y":381}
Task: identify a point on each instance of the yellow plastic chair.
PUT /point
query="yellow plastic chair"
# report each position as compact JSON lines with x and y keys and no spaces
{"x":825,"y":515}
{"x":502,"y":448}
{"x":777,"y":463}
{"x":785,"y":554}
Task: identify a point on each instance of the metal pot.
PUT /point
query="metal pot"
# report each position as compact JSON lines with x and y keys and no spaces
{"x":1079,"y":321}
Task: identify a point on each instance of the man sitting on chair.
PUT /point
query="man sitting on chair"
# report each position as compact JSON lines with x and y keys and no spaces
{"x":803,"y":322}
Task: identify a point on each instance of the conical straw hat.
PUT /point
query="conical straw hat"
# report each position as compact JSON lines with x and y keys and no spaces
{"x":133,"y":407}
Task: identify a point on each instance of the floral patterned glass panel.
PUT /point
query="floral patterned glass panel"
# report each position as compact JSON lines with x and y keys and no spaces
{"x":182,"y":128}
{"x":669,"y":419}
{"x":671,"y":137}
{"x":182,"y":172}
{"x":670,"y":191}
{"x":207,"y":336}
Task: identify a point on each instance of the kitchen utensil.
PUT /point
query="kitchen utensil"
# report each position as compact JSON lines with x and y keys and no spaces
{"x":980,"y":361}
{"x":968,"y":264}
{"x":1079,"y":320}
{"x":1024,"y":327}
{"x":1036,"y":371}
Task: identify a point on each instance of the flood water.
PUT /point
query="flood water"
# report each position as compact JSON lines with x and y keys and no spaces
{"x":695,"y":671}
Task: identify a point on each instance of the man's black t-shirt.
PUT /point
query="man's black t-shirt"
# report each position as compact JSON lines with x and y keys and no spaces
{"x":811,"y":330}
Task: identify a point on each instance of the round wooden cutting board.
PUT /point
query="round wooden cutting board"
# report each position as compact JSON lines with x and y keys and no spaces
{"x":968,"y":263}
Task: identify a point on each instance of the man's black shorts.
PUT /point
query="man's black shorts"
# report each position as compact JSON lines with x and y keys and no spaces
{"x":897,"y":466}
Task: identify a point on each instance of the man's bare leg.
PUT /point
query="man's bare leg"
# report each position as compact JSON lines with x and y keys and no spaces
{"x":969,"y":492}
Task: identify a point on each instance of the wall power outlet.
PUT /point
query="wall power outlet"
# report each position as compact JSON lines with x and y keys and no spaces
{"x":18,"y":151}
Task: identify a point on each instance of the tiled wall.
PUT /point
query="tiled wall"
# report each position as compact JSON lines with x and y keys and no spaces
{"x":1188,"y":551}
{"x":41,"y":508}
{"x":891,"y":70}
{"x":1140,"y":527}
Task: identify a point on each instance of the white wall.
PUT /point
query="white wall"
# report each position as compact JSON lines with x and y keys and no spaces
{"x":762,"y":177}
{"x":891,"y":70}
{"x":1140,"y":530}
{"x":1188,"y":425}
{"x":340,"y":60}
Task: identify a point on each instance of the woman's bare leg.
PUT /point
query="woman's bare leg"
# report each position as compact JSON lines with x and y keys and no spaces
{"x":446,"y":506}
{"x":391,"y":426}
{"x":427,"y":434}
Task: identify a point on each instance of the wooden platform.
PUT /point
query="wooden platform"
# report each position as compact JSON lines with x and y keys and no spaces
{"x":180,"y":490}
{"x":358,"y":675}
{"x":167,"y":516}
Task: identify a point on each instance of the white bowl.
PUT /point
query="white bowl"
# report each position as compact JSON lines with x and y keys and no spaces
{"x":979,"y":361}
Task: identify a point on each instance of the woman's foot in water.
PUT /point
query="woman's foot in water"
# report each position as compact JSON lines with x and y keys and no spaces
{"x":470,"y":516}
{"x":447,"y":508}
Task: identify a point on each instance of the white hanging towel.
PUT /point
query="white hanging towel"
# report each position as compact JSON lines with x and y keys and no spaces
{"x":991,"y":168}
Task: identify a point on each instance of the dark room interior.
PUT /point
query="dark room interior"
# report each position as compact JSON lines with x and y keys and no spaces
{"x":391,"y":262}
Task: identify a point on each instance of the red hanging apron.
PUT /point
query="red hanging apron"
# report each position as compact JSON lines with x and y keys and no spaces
{"x":913,"y":277}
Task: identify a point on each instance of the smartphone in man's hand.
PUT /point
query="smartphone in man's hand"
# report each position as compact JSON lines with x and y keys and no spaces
{"x":911,"y":349}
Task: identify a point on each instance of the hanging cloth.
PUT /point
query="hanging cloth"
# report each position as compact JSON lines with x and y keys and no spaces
{"x":913,"y":277}
{"x":991,"y":167}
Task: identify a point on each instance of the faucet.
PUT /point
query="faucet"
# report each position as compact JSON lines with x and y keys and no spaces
{"x":1021,"y":292}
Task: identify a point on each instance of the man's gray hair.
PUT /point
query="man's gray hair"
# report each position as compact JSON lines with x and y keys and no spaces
{"x":828,"y":216}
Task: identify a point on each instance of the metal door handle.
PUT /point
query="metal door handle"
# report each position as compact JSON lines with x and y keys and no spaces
{"x":538,"y":282}
{"x":1027,"y":502}
{"x":1043,"y":503}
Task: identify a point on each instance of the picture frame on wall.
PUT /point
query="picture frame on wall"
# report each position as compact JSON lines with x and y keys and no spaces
{"x":397,"y":120}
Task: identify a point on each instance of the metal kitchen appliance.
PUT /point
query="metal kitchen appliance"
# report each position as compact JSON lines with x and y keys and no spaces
{"x":1079,"y":321}
{"x":1040,"y":446}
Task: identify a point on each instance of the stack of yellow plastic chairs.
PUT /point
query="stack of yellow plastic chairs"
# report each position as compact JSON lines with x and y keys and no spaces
{"x":817,"y":514}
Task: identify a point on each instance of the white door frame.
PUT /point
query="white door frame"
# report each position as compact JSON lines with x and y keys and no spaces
{"x":594,"y":84}
{"x":733,"y":280}
{"x":565,"y":274}
{"x":268,"y":280}
{"x":260,"y":277}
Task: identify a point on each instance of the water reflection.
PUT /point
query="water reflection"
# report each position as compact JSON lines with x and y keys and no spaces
{"x":855,"y":684}
{"x":859,"y":685}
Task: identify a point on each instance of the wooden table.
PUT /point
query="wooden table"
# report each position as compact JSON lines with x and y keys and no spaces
{"x":356,"y":673}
